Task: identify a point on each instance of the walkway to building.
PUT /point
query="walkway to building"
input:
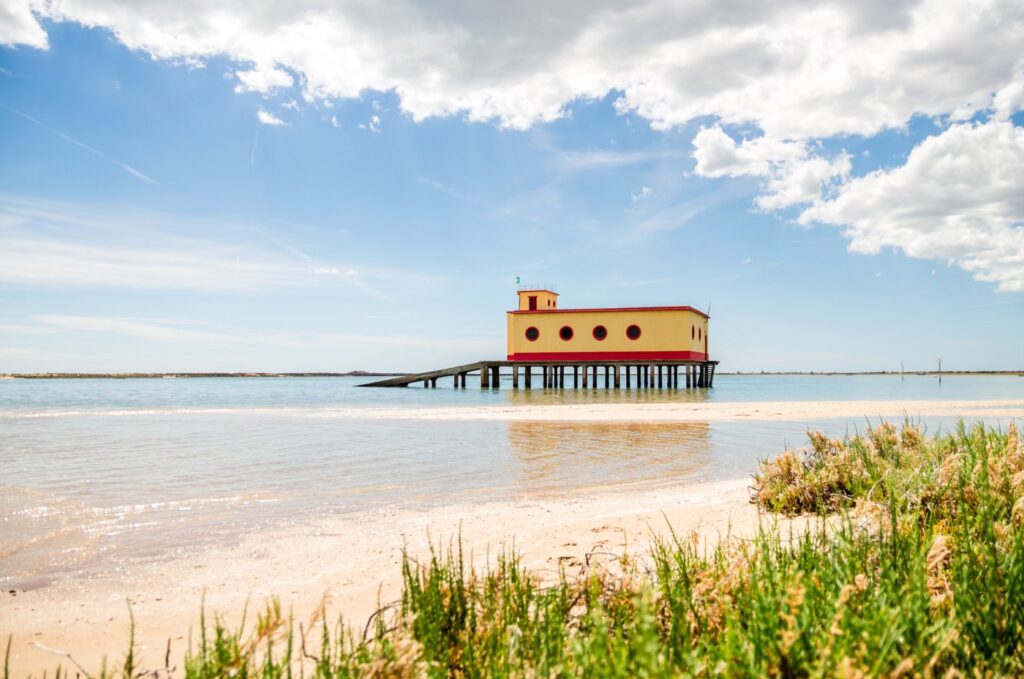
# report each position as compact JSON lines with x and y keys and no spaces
{"x":574,"y":375}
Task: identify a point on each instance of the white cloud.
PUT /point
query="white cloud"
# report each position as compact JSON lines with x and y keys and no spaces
{"x":959,"y":198}
{"x":644,"y":192}
{"x":161,"y":332}
{"x":19,"y":27}
{"x":269,"y":118}
{"x":793,"y":69}
{"x":292,"y":105}
{"x":373,"y":125}
{"x":596,"y":159}
{"x":49,"y":243}
{"x":789,"y":72}
{"x":793,"y":174}
{"x":263,"y":80}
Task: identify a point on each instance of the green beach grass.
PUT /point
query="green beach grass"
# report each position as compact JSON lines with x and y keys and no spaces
{"x":913,"y":565}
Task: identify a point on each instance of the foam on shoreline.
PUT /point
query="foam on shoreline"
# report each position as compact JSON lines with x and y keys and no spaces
{"x":740,"y":411}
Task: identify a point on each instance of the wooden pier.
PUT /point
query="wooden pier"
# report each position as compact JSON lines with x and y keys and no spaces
{"x":574,"y":375}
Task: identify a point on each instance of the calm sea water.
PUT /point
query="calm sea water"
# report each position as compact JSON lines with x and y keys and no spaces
{"x":97,"y":473}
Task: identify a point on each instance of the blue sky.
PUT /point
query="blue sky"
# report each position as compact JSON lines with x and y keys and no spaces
{"x":152,"y":220}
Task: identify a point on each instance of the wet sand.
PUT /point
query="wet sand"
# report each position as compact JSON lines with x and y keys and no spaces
{"x":351,"y":561}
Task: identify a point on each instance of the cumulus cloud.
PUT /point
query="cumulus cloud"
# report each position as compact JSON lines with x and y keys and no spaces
{"x":269,"y":118}
{"x":789,"y":72}
{"x":792,"y":68}
{"x":793,"y":173}
{"x":263,"y":80}
{"x":19,"y":27}
{"x":959,"y":198}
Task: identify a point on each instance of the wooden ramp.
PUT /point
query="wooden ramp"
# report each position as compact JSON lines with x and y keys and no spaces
{"x":430,"y":378}
{"x":555,"y":375}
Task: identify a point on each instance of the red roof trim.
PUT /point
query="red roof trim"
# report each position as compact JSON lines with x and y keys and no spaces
{"x":613,"y":309}
{"x":608,"y":356}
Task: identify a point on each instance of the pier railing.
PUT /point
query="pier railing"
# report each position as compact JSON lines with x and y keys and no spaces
{"x":574,"y":375}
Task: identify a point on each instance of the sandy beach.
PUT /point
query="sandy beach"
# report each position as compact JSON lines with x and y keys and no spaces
{"x":351,"y":562}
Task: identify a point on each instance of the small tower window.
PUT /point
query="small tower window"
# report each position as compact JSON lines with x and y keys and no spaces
{"x":693,"y":331}
{"x":533,"y":302}
{"x":698,"y":333}
{"x":532,"y":334}
{"x":600,"y":332}
{"x":633,"y":332}
{"x":565,"y":333}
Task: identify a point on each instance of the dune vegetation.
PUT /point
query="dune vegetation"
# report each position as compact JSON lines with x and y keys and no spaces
{"x":912,"y":564}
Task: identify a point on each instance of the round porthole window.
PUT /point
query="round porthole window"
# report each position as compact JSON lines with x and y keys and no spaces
{"x":633,"y":332}
{"x":600,"y":332}
{"x":532,"y":334}
{"x":565,"y":333}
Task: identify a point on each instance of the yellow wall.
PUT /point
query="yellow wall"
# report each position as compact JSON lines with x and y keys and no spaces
{"x":664,"y":331}
{"x":545,"y":299}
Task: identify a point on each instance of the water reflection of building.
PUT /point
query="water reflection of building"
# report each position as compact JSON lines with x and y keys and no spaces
{"x":554,"y":456}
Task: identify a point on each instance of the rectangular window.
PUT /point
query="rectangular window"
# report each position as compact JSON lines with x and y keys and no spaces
{"x":533,"y":302}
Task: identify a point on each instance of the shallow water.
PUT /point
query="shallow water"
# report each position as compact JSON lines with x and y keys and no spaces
{"x":98,"y":474}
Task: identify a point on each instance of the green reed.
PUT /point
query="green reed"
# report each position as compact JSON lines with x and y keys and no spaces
{"x":912,"y":565}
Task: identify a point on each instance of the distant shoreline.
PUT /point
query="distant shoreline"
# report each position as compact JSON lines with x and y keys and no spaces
{"x":128,"y":376}
{"x":367,"y":373}
{"x":888,"y":373}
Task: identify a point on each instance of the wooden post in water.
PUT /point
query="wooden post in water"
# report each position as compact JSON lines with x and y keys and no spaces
{"x":529,"y":374}
{"x":575,"y":377}
{"x":485,"y":377}
{"x":515,"y":377}
{"x":617,"y":371}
